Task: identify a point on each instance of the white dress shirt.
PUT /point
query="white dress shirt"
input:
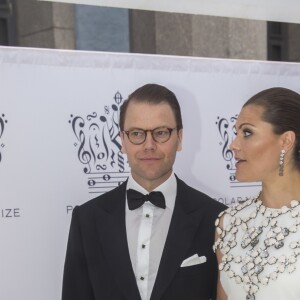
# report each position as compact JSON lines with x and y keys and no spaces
{"x":147,"y":228}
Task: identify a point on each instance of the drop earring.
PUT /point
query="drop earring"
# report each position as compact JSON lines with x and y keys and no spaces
{"x":281,"y":160}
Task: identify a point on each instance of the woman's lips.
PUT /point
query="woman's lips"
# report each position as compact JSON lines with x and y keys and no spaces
{"x":239,"y":161}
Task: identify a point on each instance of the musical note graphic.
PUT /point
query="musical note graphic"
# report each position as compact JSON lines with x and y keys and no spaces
{"x":3,"y":121}
{"x":99,"y":147}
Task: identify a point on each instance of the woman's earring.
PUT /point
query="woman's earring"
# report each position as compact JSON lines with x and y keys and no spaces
{"x":281,"y":160}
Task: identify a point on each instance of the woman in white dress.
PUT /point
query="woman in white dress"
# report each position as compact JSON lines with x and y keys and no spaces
{"x":258,"y":241}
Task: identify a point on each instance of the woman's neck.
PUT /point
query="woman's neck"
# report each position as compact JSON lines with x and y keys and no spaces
{"x":281,"y":191}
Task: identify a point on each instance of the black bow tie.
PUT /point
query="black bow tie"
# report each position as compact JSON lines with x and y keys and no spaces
{"x":136,"y":199}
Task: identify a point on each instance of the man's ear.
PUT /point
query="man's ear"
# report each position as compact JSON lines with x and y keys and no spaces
{"x":180,"y":136}
{"x":123,"y":148}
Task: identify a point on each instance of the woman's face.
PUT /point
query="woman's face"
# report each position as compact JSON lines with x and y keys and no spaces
{"x":256,"y":147}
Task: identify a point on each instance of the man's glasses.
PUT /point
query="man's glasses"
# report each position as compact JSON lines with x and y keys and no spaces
{"x":159,"y":135}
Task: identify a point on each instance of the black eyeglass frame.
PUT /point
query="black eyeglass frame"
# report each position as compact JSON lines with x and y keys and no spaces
{"x":152,"y":134}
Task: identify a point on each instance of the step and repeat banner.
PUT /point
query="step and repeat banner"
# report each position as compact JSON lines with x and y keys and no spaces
{"x":60,"y":143}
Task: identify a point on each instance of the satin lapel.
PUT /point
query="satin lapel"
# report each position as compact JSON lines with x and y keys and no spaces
{"x":184,"y":224}
{"x":112,"y":232}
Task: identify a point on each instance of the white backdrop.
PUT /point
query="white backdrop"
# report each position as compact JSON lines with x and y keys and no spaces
{"x":59,"y":144}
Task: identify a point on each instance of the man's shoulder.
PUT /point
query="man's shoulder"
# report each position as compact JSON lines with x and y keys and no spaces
{"x":106,"y":199}
{"x":200,"y":197}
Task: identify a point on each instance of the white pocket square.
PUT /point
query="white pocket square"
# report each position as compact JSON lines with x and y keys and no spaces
{"x":193,"y":260}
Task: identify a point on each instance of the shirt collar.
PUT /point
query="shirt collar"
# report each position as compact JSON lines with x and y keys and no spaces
{"x":168,"y":188}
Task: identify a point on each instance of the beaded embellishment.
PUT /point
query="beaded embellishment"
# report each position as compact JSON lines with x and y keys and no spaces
{"x":257,"y":256}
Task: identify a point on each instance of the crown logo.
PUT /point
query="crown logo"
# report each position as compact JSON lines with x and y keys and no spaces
{"x":3,"y":122}
{"x":98,"y":146}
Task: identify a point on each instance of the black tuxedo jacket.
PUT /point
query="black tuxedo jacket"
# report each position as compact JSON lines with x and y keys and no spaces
{"x":98,"y":265}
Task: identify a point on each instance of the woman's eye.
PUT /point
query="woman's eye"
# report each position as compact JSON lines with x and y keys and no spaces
{"x":246,"y":132}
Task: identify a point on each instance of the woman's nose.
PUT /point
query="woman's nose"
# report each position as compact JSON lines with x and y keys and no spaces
{"x":234,"y":145}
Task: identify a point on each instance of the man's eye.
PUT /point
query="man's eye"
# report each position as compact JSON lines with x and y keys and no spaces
{"x":137,"y":133}
{"x":161,"y":133}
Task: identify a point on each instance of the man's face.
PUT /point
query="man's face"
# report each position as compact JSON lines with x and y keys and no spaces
{"x":151,"y":162}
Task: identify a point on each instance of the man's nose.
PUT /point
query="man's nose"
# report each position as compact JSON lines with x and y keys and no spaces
{"x":149,"y":141}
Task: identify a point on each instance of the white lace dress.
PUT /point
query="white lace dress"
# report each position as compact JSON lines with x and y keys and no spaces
{"x":261,"y":249}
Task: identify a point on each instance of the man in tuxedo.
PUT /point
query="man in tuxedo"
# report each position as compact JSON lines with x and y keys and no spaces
{"x":150,"y":238}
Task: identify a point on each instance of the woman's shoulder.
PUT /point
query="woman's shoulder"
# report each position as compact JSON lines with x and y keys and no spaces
{"x":231,"y":219}
{"x":238,"y":209}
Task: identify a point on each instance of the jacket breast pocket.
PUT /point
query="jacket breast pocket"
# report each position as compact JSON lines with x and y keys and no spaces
{"x":192,"y":270}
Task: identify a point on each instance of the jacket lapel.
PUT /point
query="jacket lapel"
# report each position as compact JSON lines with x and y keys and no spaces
{"x":111,"y":226}
{"x":184,"y":224}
